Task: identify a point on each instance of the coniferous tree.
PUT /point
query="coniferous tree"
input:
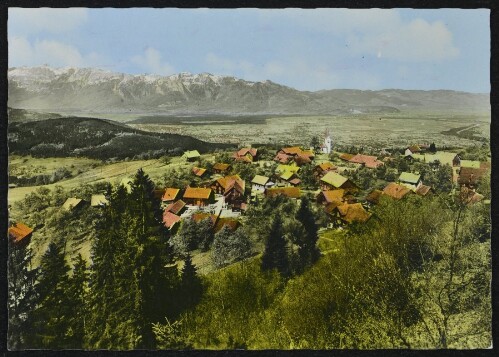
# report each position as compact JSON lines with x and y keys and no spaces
{"x":308,"y":251}
{"x":52,"y":313}
{"x":77,"y":291}
{"x":191,"y":287}
{"x":275,"y":255}
{"x":22,"y":295}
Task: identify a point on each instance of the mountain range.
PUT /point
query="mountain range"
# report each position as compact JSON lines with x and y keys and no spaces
{"x":90,"y":90}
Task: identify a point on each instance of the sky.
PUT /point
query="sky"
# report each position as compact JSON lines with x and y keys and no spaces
{"x":305,"y":49}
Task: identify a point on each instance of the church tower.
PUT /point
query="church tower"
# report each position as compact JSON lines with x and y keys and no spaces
{"x":328,"y":143}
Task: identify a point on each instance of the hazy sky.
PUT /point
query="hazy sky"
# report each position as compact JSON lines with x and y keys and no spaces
{"x":304,"y":49}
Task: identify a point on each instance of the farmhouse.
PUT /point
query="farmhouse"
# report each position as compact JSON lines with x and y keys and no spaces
{"x":332,"y":181}
{"x":346,"y":157}
{"x":232,"y":188}
{"x":98,"y":201}
{"x":171,"y":220}
{"x":296,"y":154}
{"x":349,"y":213}
{"x":396,"y":191}
{"x":198,"y":171}
{"x":289,"y":178}
{"x":291,"y":192}
{"x":220,"y":168}
{"x":170,"y":195}
{"x":20,"y":234}
{"x":326,"y":197}
{"x":371,"y":162}
{"x":410,"y":180}
{"x":192,"y":155}
{"x":198,"y":196}
{"x":260,"y":183}
{"x":177,"y":207}
{"x":73,"y":203}
{"x":245,"y":155}
{"x":470,"y":177}
{"x":413,"y":149}
{"x":322,"y":169}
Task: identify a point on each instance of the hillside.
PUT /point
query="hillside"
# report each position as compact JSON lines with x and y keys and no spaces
{"x":88,"y":90}
{"x":95,"y":138}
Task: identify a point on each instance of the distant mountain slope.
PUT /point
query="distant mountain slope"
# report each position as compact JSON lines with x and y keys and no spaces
{"x":95,"y":138}
{"x":94,"y":90}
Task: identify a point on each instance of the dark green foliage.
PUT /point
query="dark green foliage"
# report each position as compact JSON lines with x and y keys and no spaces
{"x":230,"y":247}
{"x":22,"y":296}
{"x":307,"y":177}
{"x":308,"y":252}
{"x":77,"y":291}
{"x":275,"y":255}
{"x":52,"y":312}
{"x":86,"y":136}
{"x":432,"y":148}
{"x":191,"y":287}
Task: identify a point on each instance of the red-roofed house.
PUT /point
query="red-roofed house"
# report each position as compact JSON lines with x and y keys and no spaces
{"x":170,"y":220}
{"x":198,"y":171}
{"x":396,"y":191}
{"x":368,"y":161}
{"x":245,"y":155}
{"x":20,"y":234}
{"x":232,"y":188}
{"x":176,"y":208}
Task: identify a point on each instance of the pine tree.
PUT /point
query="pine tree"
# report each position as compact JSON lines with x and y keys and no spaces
{"x":52,"y":313}
{"x":77,"y":291}
{"x":191,"y":287}
{"x":308,"y":251}
{"x":22,"y":296}
{"x":275,"y":255}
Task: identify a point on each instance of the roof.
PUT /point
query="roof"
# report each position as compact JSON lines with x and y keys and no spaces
{"x":243,"y":158}
{"x":197,"y":192}
{"x":470,"y":163}
{"x":192,"y":154}
{"x":283,"y":168}
{"x":395,"y":190}
{"x":231,"y":223}
{"x":374,"y":196}
{"x":175,"y":207}
{"x":325,"y":166}
{"x":346,"y":156}
{"x":302,"y":159}
{"x":409,"y":177}
{"x":295,"y":181}
{"x":170,"y":194}
{"x":170,"y":219}
{"x":291,"y":192}
{"x":98,"y":200}
{"x":334,"y":179}
{"x":221,"y":167}
{"x":353,"y":212}
{"x":19,"y":231}
{"x":71,"y":202}
{"x":228,"y":182}
{"x":331,"y":206}
{"x":371,"y":162}
{"x":282,"y":157}
{"x":470,"y":176}
{"x":201,"y":216}
{"x":293,"y":150}
{"x":286,"y":175}
{"x":198,"y":171}
{"x":333,"y":195}
{"x":423,"y":190}
{"x":245,"y":151}
{"x":309,"y":153}
{"x":260,"y":180}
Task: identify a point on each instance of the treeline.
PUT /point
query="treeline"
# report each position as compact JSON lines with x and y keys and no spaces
{"x":98,"y":139}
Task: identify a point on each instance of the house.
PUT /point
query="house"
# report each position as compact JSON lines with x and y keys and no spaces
{"x":410,"y":180}
{"x":469,"y":196}
{"x":423,"y":190}
{"x":171,"y":220}
{"x":98,"y":201}
{"x":396,"y":191}
{"x":322,"y":169}
{"x":177,"y":207}
{"x":20,"y":234}
{"x":368,"y":161}
{"x":374,"y":196}
{"x":296,"y":154}
{"x":291,"y":192}
{"x":284,"y":168}
{"x":346,"y":156}
{"x":260,"y":183}
{"x":170,"y":195}
{"x":220,"y":168}
{"x":470,"y":177}
{"x":333,"y":180}
{"x":73,"y":203}
{"x":232,"y":188}
{"x":413,"y":149}
{"x":192,"y":155}
{"x":326,"y":197}
{"x":349,"y":213}
{"x":245,"y":155}
{"x":198,"y":196}
{"x":198,"y":171}
{"x":289,"y":178}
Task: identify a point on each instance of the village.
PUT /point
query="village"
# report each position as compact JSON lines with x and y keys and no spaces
{"x":318,"y":172}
